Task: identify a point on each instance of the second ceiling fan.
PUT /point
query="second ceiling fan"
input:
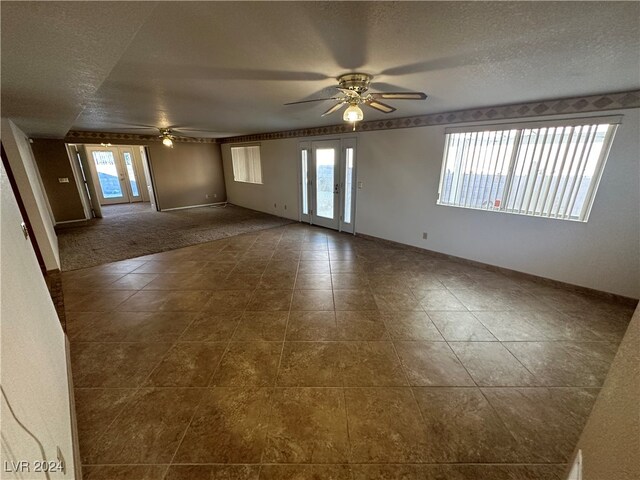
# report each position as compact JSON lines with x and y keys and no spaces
{"x":353,"y":89}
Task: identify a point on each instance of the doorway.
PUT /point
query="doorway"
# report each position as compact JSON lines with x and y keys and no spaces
{"x":327,"y":181}
{"x":115,"y":173}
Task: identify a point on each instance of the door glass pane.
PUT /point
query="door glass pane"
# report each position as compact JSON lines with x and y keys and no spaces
{"x":128,"y":161}
{"x":107,"y":174}
{"x":325,"y":166}
{"x":305,"y":182}
{"x":348,"y":184}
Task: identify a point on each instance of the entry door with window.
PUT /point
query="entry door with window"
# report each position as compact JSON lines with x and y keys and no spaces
{"x":327,"y":172}
{"x":114,"y":171}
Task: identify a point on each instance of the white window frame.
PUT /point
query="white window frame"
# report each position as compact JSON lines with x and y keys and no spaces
{"x":235,"y":161}
{"x":583,"y":216}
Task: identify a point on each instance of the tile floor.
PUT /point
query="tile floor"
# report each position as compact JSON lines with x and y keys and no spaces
{"x":299,"y":353}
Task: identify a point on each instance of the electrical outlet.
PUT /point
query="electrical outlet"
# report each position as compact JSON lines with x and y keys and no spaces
{"x":206,"y":195}
{"x":424,"y":235}
{"x":63,"y":180}
{"x":215,"y":195}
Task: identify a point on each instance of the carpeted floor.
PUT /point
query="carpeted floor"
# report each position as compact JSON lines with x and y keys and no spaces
{"x":128,"y":231}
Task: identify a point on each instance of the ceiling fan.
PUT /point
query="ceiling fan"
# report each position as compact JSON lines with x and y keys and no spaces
{"x":167,"y":134}
{"x":353,"y":89}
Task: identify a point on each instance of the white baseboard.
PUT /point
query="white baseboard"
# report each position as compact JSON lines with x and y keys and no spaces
{"x":193,"y":206}
{"x":72,"y":221}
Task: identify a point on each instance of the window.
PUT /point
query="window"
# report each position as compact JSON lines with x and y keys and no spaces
{"x":246,"y":164}
{"x":545,"y":169}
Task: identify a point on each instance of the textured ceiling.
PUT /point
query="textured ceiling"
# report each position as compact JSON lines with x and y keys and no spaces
{"x":228,"y":67}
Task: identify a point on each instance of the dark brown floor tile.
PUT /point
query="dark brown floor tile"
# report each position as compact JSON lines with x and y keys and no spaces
{"x":461,"y":327}
{"x":239,"y":281}
{"x":385,"y":426}
{"x":228,"y":301}
{"x":174,"y":266}
{"x":492,"y":472}
{"x":305,"y":281}
{"x":462,"y":416}
{"x":124,"y":472}
{"x":218,"y":268}
{"x":96,"y":408}
{"x":566,"y":364}
{"x":277,"y":281}
{"x":514,"y":326}
{"x":609,"y":327}
{"x":114,"y":364}
{"x":95,"y":301}
{"x":339,"y":265}
{"x":168,"y":301}
{"x":310,"y":364}
{"x":251,"y":266}
{"x":312,"y":326}
{"x":283,"y":267}
{"x":131,"y":281}
{"x":213,"y":472}
{"x":305,"y":472}
{"x":314,"y":266}
{"x":312,"y":300}
{"x":270,"y":300}
{"x":131,"y":326}
{"x":354,"y":300}
{"x":230,"y":426}
{"x":395,"y":301}
{"x":211,"y":327}
{"x":88,"y":279}
{"x":183,"y":281}
{"x":491,"y":364}
{"x":268,"y":326}
{"x":249,"y":364}
{"x":349,"y":281}
{"x":187,"y":365}
{"x":387,"y":472}
{"x":149,"y":429}
{"x":411,"y":326}
{"x":366,"y":364}
{"x":436,"y":300}
{"x":432,"y":364}
{"x":363,"y":326}
{"x":546,"y":422}
{"x":314,"y":255}
{"x":307,"y":425}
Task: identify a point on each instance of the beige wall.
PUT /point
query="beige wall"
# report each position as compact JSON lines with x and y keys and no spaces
{"x":610,"y":441}
{"x":25,"y":171}
{"x":400,"y":171}
{"x":35,"y":382}
{"x":183,"y":175}
{"x":53,"y":163}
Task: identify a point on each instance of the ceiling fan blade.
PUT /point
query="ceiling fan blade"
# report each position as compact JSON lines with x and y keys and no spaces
{"x":313,"y":100}
{"x":383,"y":107}
{"x":335,"y":108}
{"x":401,"y":95}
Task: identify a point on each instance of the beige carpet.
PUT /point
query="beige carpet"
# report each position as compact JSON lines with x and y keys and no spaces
{"x":128,"y":231}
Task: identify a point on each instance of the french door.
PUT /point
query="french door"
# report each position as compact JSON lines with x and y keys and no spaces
{"x":327,"y":179}
{"x":115,"y":174}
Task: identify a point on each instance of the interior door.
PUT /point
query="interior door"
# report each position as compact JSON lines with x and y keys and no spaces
{"x":328,"y":183}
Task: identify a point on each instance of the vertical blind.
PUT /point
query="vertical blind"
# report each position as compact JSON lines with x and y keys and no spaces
{"x":246,"y":164}
{"x":539,"y":170}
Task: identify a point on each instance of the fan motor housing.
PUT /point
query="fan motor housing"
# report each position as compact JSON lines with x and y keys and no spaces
{"x":358,"y":82}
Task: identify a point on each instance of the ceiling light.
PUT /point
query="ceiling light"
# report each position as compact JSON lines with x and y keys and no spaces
{"x":166,"y":141}
{"x":353,"y":113}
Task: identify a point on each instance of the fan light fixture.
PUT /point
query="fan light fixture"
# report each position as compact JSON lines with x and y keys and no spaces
{"x":167,"y":141}
{"x":353,"y":113}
